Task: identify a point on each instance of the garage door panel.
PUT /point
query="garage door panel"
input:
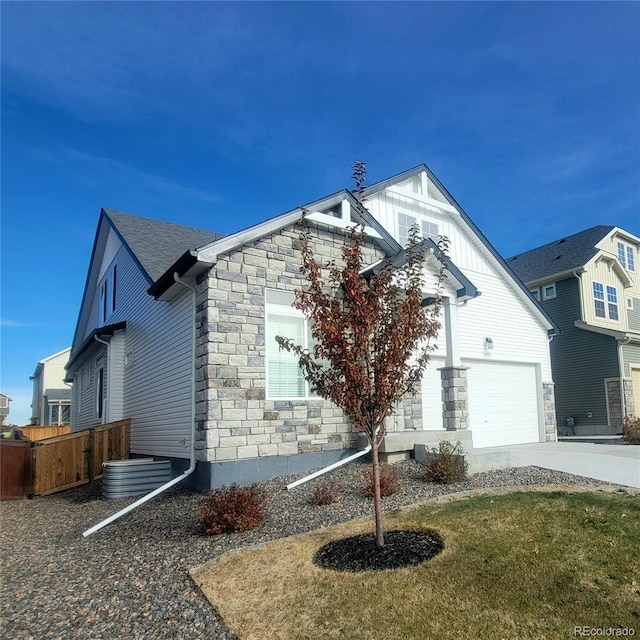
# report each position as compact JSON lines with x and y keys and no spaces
{"x":503,"y":403}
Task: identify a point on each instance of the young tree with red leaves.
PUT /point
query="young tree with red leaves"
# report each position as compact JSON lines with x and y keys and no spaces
{"x":373,"y":337}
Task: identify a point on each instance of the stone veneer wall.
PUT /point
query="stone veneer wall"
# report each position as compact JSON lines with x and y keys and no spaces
{"x":614,"y":401}
{"x":549,"y":398}
{"x":235,"y":421}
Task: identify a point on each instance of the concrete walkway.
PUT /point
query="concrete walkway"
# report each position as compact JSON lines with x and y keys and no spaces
{"x":619,"y":464}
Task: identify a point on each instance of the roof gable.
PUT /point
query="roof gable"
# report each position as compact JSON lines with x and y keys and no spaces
{"x":156,"y":244}
{"x":433,"y":193}
{"x":153,"y":245}
{"x":560,"y":256}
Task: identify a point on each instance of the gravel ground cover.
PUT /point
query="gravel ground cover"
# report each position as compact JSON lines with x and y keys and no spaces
{"x":131,"y":579}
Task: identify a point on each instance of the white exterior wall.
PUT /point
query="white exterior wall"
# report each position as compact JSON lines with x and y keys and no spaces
{"x":84,"y":394}
{"x":499,"y":412}
{"x":51,"y":376}
{"x":148,"y":367}
{"x":501,"y":312}
{"x":156,"y":365}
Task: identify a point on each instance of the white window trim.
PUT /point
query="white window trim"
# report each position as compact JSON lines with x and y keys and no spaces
{"x":108,"y":293}
{"x":605,"y":301}
{"x":628,"y":251}
{"x":416,"y":221}
{"x":616,"y":304}
{"x":551,"y":295}
{"x":535,"y":293}
{"x":281,"y":309}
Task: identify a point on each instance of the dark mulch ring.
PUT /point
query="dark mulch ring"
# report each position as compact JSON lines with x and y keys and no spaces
{"x":360,"y":553}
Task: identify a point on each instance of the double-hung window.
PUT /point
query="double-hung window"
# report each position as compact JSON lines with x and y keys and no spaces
{"x":284,"y":376}
{"x":612,"y":302}
{"x":598,"y":299}
{"x":605,"y":307}
{"x":626,"y":255}
{"x":405,"y":222}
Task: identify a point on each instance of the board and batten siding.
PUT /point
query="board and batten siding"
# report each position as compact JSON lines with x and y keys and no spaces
{"x":499,"y":313}
{"x":601,"y":271}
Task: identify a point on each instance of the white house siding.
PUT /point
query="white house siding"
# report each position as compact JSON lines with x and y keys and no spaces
{"x":156,"y":365}
{"x":432,"y":396}
{"x":503,"y":313}
{"x":83,"y":407}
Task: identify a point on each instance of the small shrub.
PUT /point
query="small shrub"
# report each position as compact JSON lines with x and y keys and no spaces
{"x":388,"y":481}
{"x":323,"y":494}
{"x":446,"y":463}
{"x":631,"y":430}
{"x":232,"y":509}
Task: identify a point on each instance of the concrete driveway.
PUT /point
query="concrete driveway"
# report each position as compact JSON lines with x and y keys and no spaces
{"x":619,"y":464}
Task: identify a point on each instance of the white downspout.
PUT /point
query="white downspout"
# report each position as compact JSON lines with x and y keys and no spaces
{"x":192,"y":461}
{"x":331,"y":467}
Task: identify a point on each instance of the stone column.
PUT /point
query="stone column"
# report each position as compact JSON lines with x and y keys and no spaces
{"x":455,"y":405}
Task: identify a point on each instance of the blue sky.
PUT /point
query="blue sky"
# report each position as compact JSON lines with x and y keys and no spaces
{"x":219,"y":115}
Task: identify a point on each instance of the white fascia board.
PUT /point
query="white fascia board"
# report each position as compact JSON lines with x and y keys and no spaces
{"x":431,"y":202}
{"x":620,"y":271}
{"x":55,"y":355}
{"x":210,"y":252}
{"x":331,"y":221}
{"x":625,"y":235}
{"x":618,"y":335}
{"x":561,"y":275}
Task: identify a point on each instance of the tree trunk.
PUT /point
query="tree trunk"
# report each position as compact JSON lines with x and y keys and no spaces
{"x":377,"y":498}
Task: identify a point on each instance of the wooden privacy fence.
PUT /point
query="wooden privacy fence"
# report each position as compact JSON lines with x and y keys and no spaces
{"x":42,"y":433}
{"x":67,"y":461}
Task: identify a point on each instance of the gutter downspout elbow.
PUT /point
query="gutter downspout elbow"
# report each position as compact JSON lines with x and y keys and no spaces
{"x":192,"y":458}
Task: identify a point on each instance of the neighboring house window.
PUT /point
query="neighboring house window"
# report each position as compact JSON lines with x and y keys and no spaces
{"x":405,"y":222}
{"x":108,"y":290}
{"x":626,"y":255}
{"x":100,"y":393}
{"x":598,"y":299}
{"x":549,"y":291}
{"x":59,"y":414}
{"x":535,"y":293}
{"x":612,"y":302}
{"x":284,"y":376}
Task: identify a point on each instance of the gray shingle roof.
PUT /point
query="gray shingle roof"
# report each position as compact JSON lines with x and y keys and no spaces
{"x":58,"y":394}
{"x":157,"y":244}
{"x":559,"y":256}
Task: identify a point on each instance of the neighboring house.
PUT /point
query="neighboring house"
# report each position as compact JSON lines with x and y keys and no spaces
{"x":178,"y":325}
{"x":589,"y":283}
{"x":51,"y":404}
{"x":5,"y":407}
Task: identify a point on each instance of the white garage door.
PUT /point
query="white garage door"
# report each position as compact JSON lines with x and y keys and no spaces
{"x":503,"y":403}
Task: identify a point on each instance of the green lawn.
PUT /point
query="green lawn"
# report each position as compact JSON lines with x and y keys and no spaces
{"x":515,"y":566}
